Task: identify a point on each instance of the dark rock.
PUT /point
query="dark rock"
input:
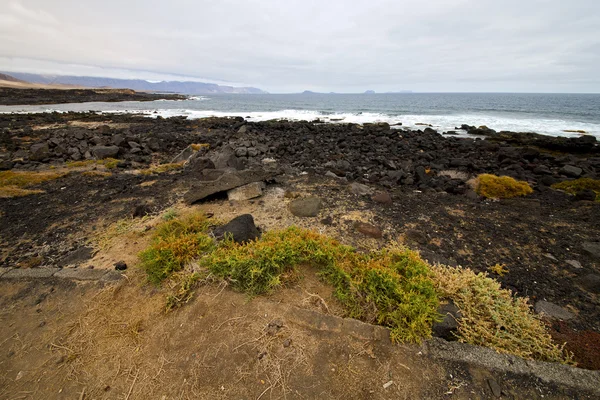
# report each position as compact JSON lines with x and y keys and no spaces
{"x":198,"y":163}
{"x":141,"y":210}
{"x":585,"y":194}
{"x":421,"y":174}
{"x":548,"y":180}
{"x":591,"y":283}
{"x":225,"y":182}
{"x":327,"y":220}
{"x":184,"y":155}
{"x":307,"y":207}
{"x":415,"y":236}
{"x":551,"y":310}
{"x":360,"y":190}
{"x":39,"y":152}
{"x":448,"y":327}
{"x":117,"y":140}
{"x":570,"y":170}
{"x":542,"y":170}
{"x":592,"y":249}
{"x":120,"y":266}
{"x":102,"y":152}
{"x":494,"y":387}
{"x":383,"y":198}
{"x":368,"y":229}
{"x":6,"y":165}
{"x":76,"y":257}
{"x":241,"y":229}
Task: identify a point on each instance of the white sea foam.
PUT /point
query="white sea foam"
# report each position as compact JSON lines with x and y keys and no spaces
{"x":442,"y":123}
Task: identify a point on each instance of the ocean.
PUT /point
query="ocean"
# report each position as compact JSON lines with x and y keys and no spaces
{"x":550,"y":114}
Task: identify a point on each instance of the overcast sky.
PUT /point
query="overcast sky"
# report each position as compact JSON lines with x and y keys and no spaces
{"x":325,"y":45}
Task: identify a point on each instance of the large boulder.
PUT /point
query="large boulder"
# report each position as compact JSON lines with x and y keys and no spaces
{"x":246,"y":192}
{"x":101,"y":152}
{"x":39,"y":152}
{"x":241,"y":229}
{"x":570,"y":170}
{"x":231,"y":180}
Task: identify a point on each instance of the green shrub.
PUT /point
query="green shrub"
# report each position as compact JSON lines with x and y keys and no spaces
{"x":392,"y":288}
{"x":174,"y":244}
{"x":501,"y":187}
{"x":577,"y":185}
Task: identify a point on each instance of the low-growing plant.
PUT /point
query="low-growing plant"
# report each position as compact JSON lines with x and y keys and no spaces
{"x":501,"y":187}
{"x":577,"y":185}
{"x":174,"y":244}
{"x":170,"y":214}
{"x":392,"y":287}
{"x":499,"y":269}
{"x":494,"y":318}
{"x":199,"y":146}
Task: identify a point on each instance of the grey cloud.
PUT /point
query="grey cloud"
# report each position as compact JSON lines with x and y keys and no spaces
{"x":435,"y":45}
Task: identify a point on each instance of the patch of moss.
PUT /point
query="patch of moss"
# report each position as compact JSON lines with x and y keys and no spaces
{"x":501,"y":187}
{"x":577,"y":185}
{"x":494,"y":318}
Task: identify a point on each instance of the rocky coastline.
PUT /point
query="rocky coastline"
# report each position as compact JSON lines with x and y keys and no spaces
{"x":374,"y":183}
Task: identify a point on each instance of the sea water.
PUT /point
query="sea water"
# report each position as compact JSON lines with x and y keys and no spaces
{"x":550,"y":114}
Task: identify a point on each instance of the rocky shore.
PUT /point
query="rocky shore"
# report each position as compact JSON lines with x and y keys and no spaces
{"x":368,"y":184}
{"x":18,"y":96}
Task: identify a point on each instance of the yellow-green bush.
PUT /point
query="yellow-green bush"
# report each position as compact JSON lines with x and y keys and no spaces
{"x":501,"y":187}
{"x":578,"y":185}
{"x":494,"y":318}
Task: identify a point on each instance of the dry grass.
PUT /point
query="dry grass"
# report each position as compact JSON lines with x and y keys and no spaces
{"x":109,"y":163}
{"x":14,"y":183}
{"x":200,"y":146}
{"x":453,"y":174}
{"x":96,"y":174}
{"x":493,"y":317}
{"x":501,"y":187}
{"x":159,"y":169}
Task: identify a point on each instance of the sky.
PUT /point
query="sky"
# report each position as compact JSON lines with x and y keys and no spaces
{"x":326,"y":45}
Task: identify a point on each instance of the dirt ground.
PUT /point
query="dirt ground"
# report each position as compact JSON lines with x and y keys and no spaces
{"x":62,"y":340}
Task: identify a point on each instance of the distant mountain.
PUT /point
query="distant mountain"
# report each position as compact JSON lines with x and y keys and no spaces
{"x":185,"y":87}
{"x":8,"y":78}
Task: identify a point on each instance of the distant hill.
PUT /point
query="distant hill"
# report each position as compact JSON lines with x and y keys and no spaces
{"x":8,"y":78}
{"x":185,"y":87}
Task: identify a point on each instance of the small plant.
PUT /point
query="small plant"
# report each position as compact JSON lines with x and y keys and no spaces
{"x":494,"y":318}
{"x":199,"y":146}
{"x":499,"y":269}
{"x":170,"y":214}
{"x":501,"y":187}
{"x":577,"y":185}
